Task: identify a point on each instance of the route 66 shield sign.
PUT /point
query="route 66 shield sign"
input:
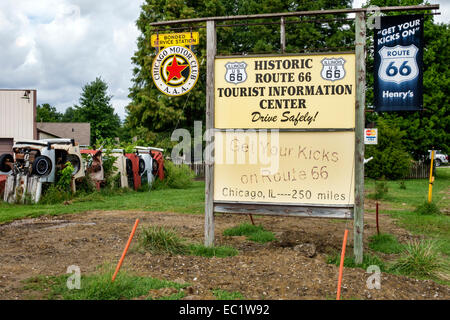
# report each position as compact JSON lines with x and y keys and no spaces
{"x":236,"y":72}
{"x":398,"y":64}
{"x":333,"y":69}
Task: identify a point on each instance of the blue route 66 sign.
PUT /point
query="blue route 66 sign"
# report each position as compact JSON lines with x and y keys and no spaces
{"x":398,"y":67}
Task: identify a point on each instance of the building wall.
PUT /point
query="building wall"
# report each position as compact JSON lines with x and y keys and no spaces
{"x":17,"y":114}
{"x":43,"y":135}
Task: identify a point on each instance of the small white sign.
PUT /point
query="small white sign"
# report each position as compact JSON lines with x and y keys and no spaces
{"x":371,"y":136}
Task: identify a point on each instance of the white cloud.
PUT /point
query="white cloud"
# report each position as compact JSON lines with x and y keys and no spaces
{"x":58,"y":46}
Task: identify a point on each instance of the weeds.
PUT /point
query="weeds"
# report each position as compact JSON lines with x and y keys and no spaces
{"x":349,"y":262}
{"x":427,"y":208}
{"x":420,"y":259}
{"x":220,"y":252}
{"x":100,"y":287}
{"x":158,"y":240}
{"x":386,"y":243}
{"x":227,"y":295}
{"x":253,"y":233}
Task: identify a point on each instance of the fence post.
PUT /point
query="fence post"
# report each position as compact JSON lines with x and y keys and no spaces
{"x":209,"y":166}
{"x":360,"y":51}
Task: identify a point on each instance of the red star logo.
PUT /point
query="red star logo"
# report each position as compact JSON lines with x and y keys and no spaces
{"x":175,"y":70}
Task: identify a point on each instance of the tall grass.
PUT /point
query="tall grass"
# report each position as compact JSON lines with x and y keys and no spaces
{"x":159,"y":240}
{"x":421,"y":259}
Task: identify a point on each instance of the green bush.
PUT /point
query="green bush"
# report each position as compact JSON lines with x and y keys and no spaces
{"x":427,"y":208}
{"x":390,"y":159}
{"x":61,"y":190}
{"x":64,"y":178}
{"x":51,"y":194}
{"x":175,"y":177}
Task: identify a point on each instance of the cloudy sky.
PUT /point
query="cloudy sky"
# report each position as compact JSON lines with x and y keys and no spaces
{"x":57,"y":46}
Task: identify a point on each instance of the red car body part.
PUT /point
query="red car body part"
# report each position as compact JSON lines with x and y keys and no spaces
{"x":134,"y":158}
{"x":2,"y":184}
{"x":158,"y":157}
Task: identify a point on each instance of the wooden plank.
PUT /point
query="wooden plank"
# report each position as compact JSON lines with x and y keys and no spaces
{"x":293,"y":14}
{"x":283,"y":35}
{"x":209,"y":165}
{"x":280,"y":210}
{"x":360,"y":51}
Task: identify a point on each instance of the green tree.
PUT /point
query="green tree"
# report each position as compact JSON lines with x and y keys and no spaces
{"x":390,"y":158}
{"x":47,"y":113}
{"x":95,"y":107}
{"x":152,"y":115}
{"x":71,"y":115}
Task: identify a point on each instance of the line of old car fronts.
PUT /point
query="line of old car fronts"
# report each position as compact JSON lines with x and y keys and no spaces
{"x":44,"y":157}
{"x":140,"y":167}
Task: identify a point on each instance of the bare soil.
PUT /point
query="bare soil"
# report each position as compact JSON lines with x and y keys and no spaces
{"x":294,"y":267}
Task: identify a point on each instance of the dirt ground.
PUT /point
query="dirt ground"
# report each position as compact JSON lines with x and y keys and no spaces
{"x":292,"y":268}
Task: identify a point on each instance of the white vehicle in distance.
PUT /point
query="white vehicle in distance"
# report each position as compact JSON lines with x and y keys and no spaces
{"x":439,"y":157}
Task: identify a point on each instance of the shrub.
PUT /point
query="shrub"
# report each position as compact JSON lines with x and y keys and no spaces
{"x":420,"y":259}
{"x":65,"y":178}
{"x":85,"y":185}
{"x":427,"y":208}
{"x":390,"y":159}
{"x":51,"y":194}
{"x":176,"y":177}
{"x":60,"y":191}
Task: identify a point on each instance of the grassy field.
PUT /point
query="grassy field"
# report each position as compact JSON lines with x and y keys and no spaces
{"x":401,"y":199}
{"x":402,"y":204}
{"x":167,"y":200}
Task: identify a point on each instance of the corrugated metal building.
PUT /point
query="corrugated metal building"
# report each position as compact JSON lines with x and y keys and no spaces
{"x":17,"y":116}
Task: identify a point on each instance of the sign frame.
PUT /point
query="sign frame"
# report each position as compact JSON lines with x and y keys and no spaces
{"x":360,"y":51}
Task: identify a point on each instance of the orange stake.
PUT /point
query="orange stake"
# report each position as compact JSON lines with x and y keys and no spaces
{"x":125,"y":250}
{"x":341,"y":266}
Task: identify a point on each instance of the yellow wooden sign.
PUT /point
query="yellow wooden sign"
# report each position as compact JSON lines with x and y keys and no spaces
{"x":296,"y":92}
{"x":175,"y":39}
{"x":285,"y":167}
